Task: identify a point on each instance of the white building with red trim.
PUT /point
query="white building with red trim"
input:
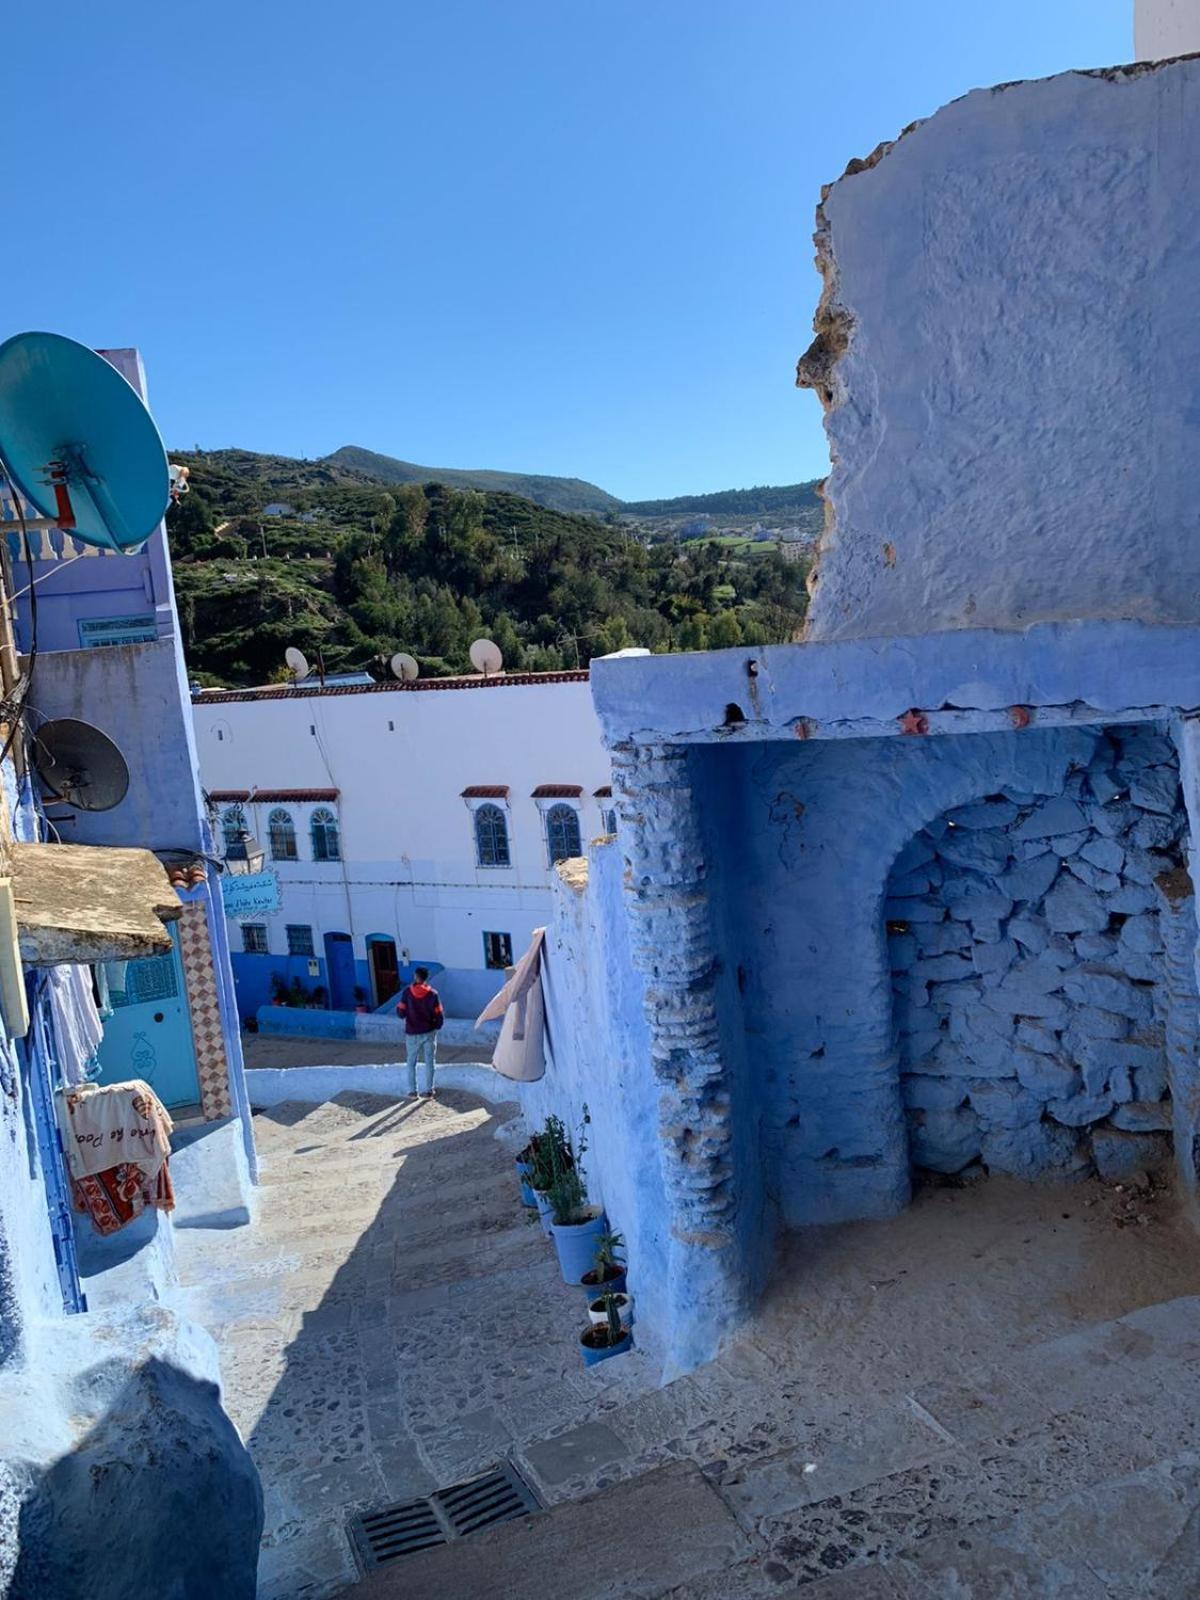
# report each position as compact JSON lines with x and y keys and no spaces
{"x":404,"y":823}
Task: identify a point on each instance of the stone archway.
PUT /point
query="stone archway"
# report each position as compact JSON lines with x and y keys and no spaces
{"x":1029,"y":985}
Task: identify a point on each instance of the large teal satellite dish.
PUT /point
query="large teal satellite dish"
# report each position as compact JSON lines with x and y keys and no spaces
{"x":78,"y":443}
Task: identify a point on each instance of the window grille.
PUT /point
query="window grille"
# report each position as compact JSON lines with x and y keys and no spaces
{"x":491,"y":837}
{"x":281,"y":835}
{"x":326,"y":840}
{"x":254,"y":938}
{"x":299,"y":939}
{"x":497,"y":950}
{"x":562,"y":833}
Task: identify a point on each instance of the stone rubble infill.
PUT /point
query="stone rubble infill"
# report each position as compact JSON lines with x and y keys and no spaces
{"x":391,"y":1325}
{"x":1031,"y":990}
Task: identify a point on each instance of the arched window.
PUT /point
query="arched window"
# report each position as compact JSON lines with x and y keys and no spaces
{"x":562,"y":833}
{"x":326,"y":845}
{"x":610,"y":820}
{"x":233,"y":824}
{"x":491,"y":837}
{"x":281,"y":833}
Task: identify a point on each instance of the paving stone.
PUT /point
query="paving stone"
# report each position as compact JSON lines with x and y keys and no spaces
{"x":636,"y":1539}
{"x":580,"y":1450}
{"x":990,"y":1563}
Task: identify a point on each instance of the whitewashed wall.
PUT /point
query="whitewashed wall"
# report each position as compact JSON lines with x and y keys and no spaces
{"x":401,"y":760}
{"x":1164,"y":28}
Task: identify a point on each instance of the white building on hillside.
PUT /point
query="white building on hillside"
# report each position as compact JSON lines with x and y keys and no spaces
{"x":405,"y":823}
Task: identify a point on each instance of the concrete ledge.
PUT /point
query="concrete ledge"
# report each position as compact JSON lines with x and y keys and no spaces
{"x":270,"y":1086}
{"x":369,"y":1026}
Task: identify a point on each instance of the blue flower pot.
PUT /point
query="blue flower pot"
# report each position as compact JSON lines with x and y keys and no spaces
{"x":528,"y":1198}
{"x":545,"y":1210}
{"x":576,"y":1244}
{"x":593,"y":1354}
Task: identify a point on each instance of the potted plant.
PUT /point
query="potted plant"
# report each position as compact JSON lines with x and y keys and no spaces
{"x":549,"y":1155}
{"x":598,"y":1309}
{"x":575,"y":1225}
{"x":607,"y":1272}
{"x":598,"y":1341}
{"x":524,"y":1165}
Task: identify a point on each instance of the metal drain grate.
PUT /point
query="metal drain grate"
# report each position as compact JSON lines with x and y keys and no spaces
{"x":498,"y":1495}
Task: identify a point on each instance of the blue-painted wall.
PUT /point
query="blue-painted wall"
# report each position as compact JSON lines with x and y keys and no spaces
{"x":597,"y":1045}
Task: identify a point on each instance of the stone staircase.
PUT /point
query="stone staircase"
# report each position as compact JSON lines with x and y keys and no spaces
{"x":1073,"y":1470}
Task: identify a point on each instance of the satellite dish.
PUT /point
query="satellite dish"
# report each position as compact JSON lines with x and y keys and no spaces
{"x":297,"y":662}
{"x":80,"y":764}
{"x":486,"y":657}
{"x":405,"y":666}
{"x":78,"y":443}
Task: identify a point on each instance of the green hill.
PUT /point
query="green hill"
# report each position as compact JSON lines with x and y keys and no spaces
{"x":790,"y":502}
{"x":561,"y":494}
{"x":354,"y":569}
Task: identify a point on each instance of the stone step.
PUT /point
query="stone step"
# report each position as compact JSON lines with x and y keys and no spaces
{"x":634,"y":1540}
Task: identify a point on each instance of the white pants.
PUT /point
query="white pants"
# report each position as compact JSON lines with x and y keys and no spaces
{"x":420,"y":1047}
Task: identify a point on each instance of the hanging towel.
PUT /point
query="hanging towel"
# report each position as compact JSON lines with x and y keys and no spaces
{"x":520,"y":1050}
{"x":103,"y":1126}
{"x":75,"y":1020}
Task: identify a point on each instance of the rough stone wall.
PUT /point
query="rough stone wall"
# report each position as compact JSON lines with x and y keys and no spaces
{"x":814,"y":830}
{"x":1006,"y":348}
{"x":1028,"y":970}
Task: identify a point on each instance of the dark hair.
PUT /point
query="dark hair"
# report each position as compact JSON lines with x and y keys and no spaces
{"x":420,"y":973}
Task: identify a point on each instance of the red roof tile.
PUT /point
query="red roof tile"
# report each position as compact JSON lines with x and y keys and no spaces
{"x":603,"y":794}
{"x":286,"y":691}
{"x":302,"y":796}
{"x":485,"y":791}
{"x":558,"y":791}
{"x":227,"y":796}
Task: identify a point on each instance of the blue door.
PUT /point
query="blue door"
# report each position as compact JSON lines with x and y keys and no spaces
{"x":339,"y":963}
{"x":149,"y":1034}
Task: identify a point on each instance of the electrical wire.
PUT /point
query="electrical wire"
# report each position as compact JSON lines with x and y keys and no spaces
{"x":17,"y":711}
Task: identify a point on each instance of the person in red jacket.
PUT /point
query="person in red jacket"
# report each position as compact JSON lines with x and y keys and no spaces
{"x":422,"y":1012}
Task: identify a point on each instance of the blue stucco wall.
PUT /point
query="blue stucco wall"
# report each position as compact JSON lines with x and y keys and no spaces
{"x":464,"y":991}
{"x":597,"y":1047}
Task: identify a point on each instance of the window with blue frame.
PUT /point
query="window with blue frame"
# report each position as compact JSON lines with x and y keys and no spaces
{"x":254,"y":939}
{"x":326,"y":840}
{"x":281,"y":834}
{"x":299,"y":939}
{"x":562,"y":833}
{"x":491,"y":837}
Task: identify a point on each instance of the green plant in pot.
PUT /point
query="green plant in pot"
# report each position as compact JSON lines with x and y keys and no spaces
{"x":575,"y":1225}
{"x":546,"y":1158}
{"x":607,"y":1272}
{"x":607,"y":1338}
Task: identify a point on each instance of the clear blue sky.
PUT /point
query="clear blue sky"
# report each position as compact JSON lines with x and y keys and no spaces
{"x":567,"y":236}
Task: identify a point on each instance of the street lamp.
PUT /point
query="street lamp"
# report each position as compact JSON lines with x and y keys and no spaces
{"x":244,"y":854}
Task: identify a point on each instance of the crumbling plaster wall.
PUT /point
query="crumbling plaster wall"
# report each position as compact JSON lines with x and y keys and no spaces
{"x":1007,"y":349}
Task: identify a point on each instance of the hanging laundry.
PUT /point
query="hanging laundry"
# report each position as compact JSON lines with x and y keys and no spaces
{"x":520,"y":1050}
{"x":75,"y":1021}
{"x":126,"y":1121}
{"x":114,"y":1197}
{"x":116,"y":1122}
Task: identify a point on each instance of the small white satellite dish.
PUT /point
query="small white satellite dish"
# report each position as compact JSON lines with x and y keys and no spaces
{"x":404,"y":666}
{"x":297,"y":662}
{"x":486,"y":657}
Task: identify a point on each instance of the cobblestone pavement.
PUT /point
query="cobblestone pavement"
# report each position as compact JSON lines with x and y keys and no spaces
{"x":967,"y":1390}
{"x":276,"y":1050}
